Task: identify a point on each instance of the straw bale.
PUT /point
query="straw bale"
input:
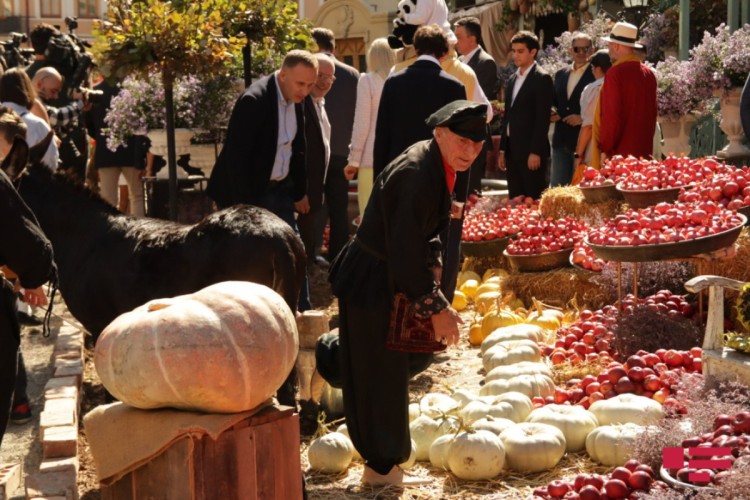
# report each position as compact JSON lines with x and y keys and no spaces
{"x":738,"y":267}
{"x":567,"y":201}
{"x":558,"y":287}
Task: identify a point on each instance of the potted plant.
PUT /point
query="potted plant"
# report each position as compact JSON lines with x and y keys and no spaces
{"x":679,"y":98}
{"x":722,"y":61}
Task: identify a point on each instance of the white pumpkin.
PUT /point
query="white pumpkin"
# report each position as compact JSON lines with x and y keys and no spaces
{"x":463,"y":397}
{"x":522,"y":405}
{"x":532,"y":447}
{"x":343,"y":429}
{"x":613,"y":445}
{"x":575,"y":422}
{"x":474,"y":411}
{"x":521,"y":331}
{"x":508,"y":353}
{"x":627,"y":408}
{"x":414,"y":411}
{"x":412,"y":457}
{"x":435,"y":404}
{"x":424,"y":431}
{"x":529,"y":385}
{"x":523,"y":368}
{"x":493,"y":424}
{"x":330,"y":453}
{"x":476,"y":456}
{"x":439,"y":451}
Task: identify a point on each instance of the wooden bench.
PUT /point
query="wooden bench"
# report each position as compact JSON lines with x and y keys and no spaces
{"x":718,"y":361}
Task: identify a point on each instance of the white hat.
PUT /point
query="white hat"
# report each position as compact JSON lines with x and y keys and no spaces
{"x":624,"y":34}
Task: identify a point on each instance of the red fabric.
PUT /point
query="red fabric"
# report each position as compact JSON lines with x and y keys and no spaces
{"x":450,"y":176}
{"x":628,"y":110}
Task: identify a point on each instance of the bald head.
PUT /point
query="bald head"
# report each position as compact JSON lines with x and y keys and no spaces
{"x":47,"y":82}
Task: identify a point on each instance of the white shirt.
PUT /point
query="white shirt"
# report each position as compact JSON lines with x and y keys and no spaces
{"x":520,"y":78}
{"x":575,"y":76}
{"x":286,"y":133}
{"x":37,"y":130}
{"x":325,"y":126}
{"x":589,"y":98}
{"x":466,"y":58}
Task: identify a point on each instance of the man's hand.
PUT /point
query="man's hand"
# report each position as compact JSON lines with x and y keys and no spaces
{"x":302,"y":206}
{"x":573,"y":120}
{"x":554,"y":117}
{"x":446,"y":324}
{"x":35,"y":297}
{"x":501,"y":160}
{"x":350,"y":171}
{"x":534,"y":162}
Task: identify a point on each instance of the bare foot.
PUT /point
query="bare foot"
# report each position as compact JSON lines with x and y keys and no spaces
{"x":395,"y":477}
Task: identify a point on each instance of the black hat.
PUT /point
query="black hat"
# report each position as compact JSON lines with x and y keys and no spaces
{"x":465,"y":118}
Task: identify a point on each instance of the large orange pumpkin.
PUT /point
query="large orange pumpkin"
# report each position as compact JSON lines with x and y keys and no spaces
{"x":224,"y":349}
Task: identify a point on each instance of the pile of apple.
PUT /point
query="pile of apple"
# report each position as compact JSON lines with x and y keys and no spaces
{"x":672,"y":304}
{"x":730,"y":190}
{"x":731,"y":432}
{"x":622,"y":482}
{"x":665,"y":223}
{"x":547,"y":235}
{"x":586,"y":258}
{"x":488,"y":219}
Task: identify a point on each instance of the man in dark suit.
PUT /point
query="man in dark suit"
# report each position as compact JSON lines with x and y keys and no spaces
{"x":263,"y":159}
{"x":411,"y":95}
{"x":318,"y":141}
{"x":524,"y":147}
{"x":469,"y":45}
{"x":569,"y":84}
{"x":341,"y":99}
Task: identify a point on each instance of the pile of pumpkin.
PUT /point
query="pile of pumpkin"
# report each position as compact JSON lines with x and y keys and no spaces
{"x":478,"y":434}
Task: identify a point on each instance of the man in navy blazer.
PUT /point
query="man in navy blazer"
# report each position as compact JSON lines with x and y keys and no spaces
{"x":524,"y":147}
{"x":258,"y":165}
{"x":411,"y":95}
{"x":569,"y":84}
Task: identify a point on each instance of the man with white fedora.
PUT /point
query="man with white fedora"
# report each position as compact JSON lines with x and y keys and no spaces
{"x":627,"y":103}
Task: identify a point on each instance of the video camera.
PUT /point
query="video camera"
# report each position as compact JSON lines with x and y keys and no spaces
{"x":69,"y":54}
{"x":12,"y":54}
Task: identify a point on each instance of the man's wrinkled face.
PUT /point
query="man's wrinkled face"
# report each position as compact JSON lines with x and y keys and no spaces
{"x":458,"y":151}
{"x":581,"y":50}
{"x":323,"y":84}
{"x":297,"y":82}
{"x":49,"y":88}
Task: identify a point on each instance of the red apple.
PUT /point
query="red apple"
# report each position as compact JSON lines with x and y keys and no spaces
{"x":724,"y":430}
{"x":631,"y":464}
{"x":636,"y":374}
{"x":558,"y":488}
{"x":652,"y":383}
{"x":640,"y":480}
{"x":578,"y":482}
{"x":615,"y":488}
{"x":590,"y":493}
{"x":595,"y":480}
{"x":621,"y":473}
{"x":561,"y":396}
{"x":624,"y":385}
{"x":741,"y":422}
{"x":616,"y":373}
{"x":645,"y":468}
{"x":721,"y":420}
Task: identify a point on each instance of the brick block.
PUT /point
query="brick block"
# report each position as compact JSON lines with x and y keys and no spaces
{"x":60,"y":382}
{"x":70,"y":353}
{"x":311,"y":325}
{"x":59,"y":465}
{"x":63,"y":411}
{"x":68,"y":342}
{"x":61,"y":441}
{"x":52,"y":484}
{"x":67,"y":330}
{"x":69,"y":367}
{"x":63,"y":391}
{"x":10,"y":479}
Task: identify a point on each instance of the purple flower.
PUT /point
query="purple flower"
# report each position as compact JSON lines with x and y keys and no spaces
{"x":680,"y":90}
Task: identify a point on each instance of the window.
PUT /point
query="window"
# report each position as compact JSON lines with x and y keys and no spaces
{"x":50,"y":8}
{"x":87,"y":8}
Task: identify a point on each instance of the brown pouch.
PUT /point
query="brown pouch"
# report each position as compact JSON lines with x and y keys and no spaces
{"x":407,"y":333}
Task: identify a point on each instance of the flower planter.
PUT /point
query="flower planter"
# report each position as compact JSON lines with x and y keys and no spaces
{"x":731,"y":125}
{"x":676,"y":134}
{"x":158,"y":139}
{"x":203,"y":156}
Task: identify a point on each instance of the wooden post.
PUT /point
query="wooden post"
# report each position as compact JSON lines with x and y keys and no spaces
{"x":733,"y":15}
{"x":684,"y":30}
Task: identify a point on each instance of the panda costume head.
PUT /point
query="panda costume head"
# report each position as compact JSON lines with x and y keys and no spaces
{"x":411,"y":14}
{"x":403,"y":32}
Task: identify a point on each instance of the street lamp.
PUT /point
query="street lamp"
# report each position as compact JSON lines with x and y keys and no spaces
{"x":635,"y":12}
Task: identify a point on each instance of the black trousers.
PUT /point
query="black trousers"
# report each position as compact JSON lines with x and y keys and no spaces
{"x":337,"y":201}
{"x":521,"y":180}
{"x":310,"y":233}
{"x":10,"y":340}
{"x":375,"y":384}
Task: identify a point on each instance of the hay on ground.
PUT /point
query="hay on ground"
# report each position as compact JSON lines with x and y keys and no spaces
{"x":558,"y":287}
{"x":567,"y":201}
{"x":738,"y":267}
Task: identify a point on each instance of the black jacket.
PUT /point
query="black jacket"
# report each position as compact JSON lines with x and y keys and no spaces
{"x":409,"y":97}
{"x":567,"y":135}
{"x":243,"y":169}
{"x":341,"y":100}
{"x":485,"y":68}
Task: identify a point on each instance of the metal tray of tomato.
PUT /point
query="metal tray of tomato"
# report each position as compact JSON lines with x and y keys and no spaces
{"x":600,"y":194}
{"x":673,"y":250}
{"x":578,"y":266}
{"x":643,"y":198}
{"x":486,"y":248}
{"x":540,"y":261}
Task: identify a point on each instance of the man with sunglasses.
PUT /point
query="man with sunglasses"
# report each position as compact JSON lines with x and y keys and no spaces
{"x":569,"y":84}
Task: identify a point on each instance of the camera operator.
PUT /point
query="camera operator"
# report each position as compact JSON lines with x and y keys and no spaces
{"x":55,"y":55}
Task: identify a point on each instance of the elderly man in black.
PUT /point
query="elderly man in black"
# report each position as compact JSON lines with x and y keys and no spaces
{"x":396,"y":249}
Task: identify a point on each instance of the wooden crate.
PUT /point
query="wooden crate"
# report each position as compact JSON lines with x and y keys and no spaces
{"x":256,"y":459}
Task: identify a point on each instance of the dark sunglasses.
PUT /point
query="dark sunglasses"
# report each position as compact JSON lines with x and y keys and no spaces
{"x":578,"y":50}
